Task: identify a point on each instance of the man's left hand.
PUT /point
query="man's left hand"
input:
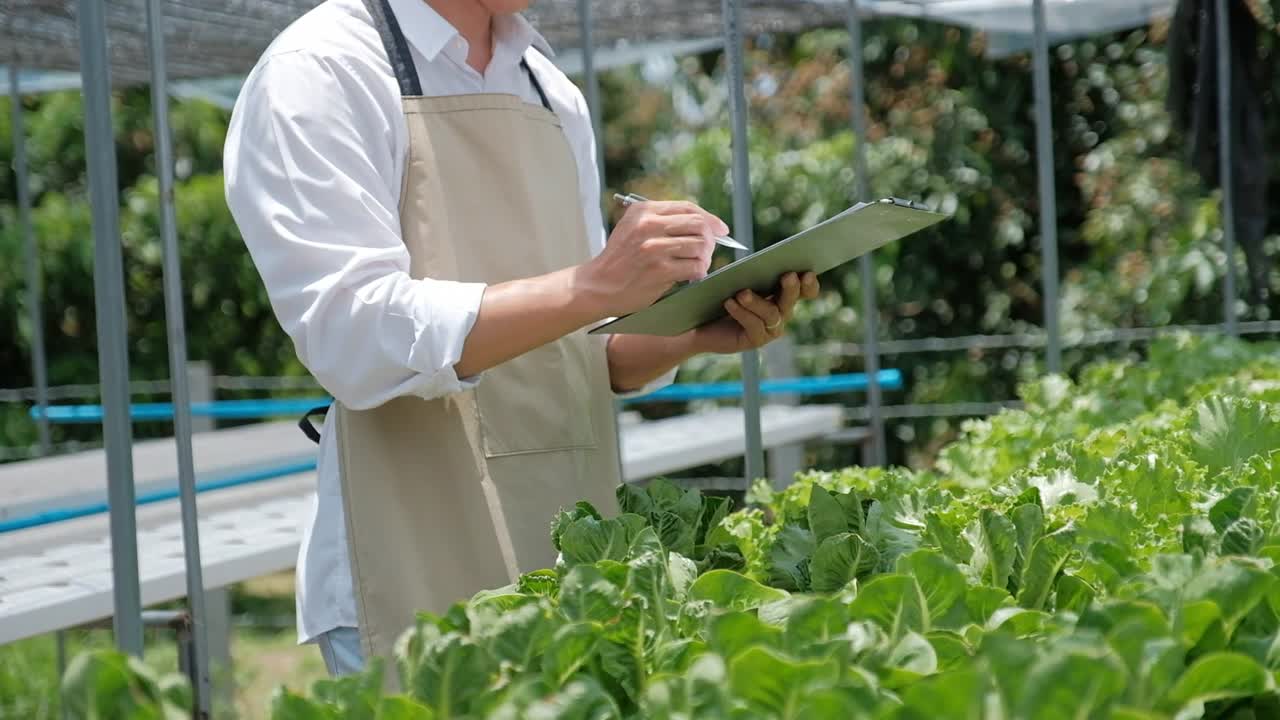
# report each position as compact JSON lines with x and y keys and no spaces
{"x":756,"y":321}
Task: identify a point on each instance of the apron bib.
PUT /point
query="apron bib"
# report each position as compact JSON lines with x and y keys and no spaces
{"x":447,"y":497}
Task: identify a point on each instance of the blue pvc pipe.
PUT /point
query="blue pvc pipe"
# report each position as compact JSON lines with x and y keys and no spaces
{"x":852,"y":382}
{"x":254,"y":409}
{"x":223,"y":409}
{"x":49,"y":517}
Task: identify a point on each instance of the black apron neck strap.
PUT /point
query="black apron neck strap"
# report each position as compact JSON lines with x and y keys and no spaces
{"x":384,"y":19}
{"x":533,"y":78}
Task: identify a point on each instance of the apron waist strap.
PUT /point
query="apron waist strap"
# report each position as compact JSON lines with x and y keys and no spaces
{"x":308,"y":428}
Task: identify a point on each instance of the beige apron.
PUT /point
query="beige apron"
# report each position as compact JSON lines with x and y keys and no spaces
{"x":448,"y":497}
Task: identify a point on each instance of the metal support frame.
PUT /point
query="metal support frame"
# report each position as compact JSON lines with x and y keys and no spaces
{"x":1223,"y":28}
{"x":1048,"y":192}
{"x":591,"y":82}
{"x":113,"y":352}
{"x":866,"y":264}
{"x":592,"y":90}
{"x":35,"y":295}
{"x":743,"y":229}
{"x":177,"y":334}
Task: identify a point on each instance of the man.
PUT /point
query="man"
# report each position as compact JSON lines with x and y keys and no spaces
{"x":415,"y":182}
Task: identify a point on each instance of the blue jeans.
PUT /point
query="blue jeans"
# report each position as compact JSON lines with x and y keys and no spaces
{"x":341,"y":650}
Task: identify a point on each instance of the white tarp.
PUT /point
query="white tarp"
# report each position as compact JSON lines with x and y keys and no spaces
{"x":1009,"y":23}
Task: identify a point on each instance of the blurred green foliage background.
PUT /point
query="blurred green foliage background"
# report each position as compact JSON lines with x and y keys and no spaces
{"x":1139,"y":236}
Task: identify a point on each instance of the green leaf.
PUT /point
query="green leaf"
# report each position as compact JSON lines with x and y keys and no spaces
{"x":1242,"y":537}
{"x":565,"y":518}
{"x":1073,"y":594}
{"x":1198,"y":534}
{"x":747,"y":532}
{"x":957,"y":695}
{"x":539,"y":582}
{"x":588,"y":540}
{"x":837,"y":703}
{"x":826,"y":516}
{"x":938,"y":533}
{"x":1009,"y":659}
{"x":109,"y":684}
{"x":1021,"y":621}
{"x":684,"y":502}
{"x":450,"y":674}
{"x":632,"y":499}
{"x":583,"y":698}
{"x":770,"y":682}
{"x":950,"y":648}
{"x":587,"y":595}
{"x":1070,"y":685}
{"x":1196,"y":619}
{"x":700,"y":692}
{"x":1234,"y":584}
{"x":982,"y":601}
{"x":681,"y":572}
{"x":285,"y":705}
{"x":714,"y":510}
{"x":1029,"y":522}
{"x":942,"y":582}
{"x":1237,"y":504}
{"x":571,"y":647}
{"x":733,"y":632}
{"x":914,"y":654}
{"x":1218,"y":676}
{"x":1228,"y":431}
{"x":895,"y":602}
{"x":1030,"y":496}
{"x":1115,"y":613}
{"x":789,"y":558}
{"x":1120,"y":712}
{"x":674,"y":533}
{"x":839,"y":559}
{"x":516,"y":636}
{"x":851,"y":503}
{"x":1048,"y":556}
{"x":813,"y":624}
{"x":999,"y":547}
{"x":733,"y":591}
{"x":400,"y":707}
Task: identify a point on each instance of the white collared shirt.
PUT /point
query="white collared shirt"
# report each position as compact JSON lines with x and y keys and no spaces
{"x":313,"y":164}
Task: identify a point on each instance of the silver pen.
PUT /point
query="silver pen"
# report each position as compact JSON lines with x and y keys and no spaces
{"x":632,"y":198}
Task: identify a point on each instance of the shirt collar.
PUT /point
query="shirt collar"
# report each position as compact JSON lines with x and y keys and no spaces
{"x":430,"y":33}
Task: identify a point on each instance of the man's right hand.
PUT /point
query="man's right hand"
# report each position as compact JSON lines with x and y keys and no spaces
{"x":653,"y":247}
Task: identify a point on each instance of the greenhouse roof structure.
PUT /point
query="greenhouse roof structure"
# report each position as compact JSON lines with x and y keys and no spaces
{"x":211,"y":45}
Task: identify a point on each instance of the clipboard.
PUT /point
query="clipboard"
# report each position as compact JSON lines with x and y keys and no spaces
{"x":829,"y":244}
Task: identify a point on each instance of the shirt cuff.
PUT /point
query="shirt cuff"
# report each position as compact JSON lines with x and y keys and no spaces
{"x":441,"y":329}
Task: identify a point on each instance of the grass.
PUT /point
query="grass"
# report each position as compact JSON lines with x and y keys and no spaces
{"x":264,"y":655}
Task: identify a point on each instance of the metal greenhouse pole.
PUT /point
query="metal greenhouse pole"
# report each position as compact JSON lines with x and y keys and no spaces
{"x":1048,"y":197}
{"x":591,"y":81}
{"x":866,"y":264}
{"x":1224,"y":166}
{"x":177,"y":334}
{"x":113,"y":352}
{"x":39,"y":364}
{"x":742,"y":223}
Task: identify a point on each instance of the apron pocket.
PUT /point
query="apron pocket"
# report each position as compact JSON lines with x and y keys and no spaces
{"x":539,"y":401}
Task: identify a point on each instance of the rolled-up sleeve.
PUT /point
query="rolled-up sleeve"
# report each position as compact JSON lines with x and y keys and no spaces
{"x":312,"y":181}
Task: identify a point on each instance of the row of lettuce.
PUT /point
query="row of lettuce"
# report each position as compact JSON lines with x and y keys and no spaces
{"x":1108,"y":551}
